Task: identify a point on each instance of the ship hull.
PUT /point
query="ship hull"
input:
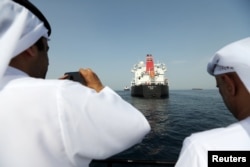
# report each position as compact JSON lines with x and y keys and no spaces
{"x":150,"y":91}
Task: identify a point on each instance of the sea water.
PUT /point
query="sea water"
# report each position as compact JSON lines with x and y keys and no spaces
{"x":183,"y":113}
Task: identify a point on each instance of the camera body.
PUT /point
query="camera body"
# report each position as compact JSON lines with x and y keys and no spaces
{"x":75,"y":76}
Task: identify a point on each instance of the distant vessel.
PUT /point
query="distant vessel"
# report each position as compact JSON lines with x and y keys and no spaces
{"x":126,"y":88}
{"x":149,"y":79}
{"x":197,"y":89}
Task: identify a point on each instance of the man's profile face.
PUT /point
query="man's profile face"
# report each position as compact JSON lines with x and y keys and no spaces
{"x":41,"y":61}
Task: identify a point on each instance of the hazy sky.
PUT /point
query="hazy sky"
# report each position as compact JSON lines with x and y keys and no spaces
{"x":110,"y":36}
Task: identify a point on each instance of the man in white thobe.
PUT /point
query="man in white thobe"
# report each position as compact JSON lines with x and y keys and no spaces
{"x":231,"y":68}
{"x":54,"y":123}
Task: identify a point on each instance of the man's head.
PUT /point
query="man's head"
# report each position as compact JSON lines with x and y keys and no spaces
{"x":34,"y":61}
{"x":231,"y":68}
{"x":22,"y":27}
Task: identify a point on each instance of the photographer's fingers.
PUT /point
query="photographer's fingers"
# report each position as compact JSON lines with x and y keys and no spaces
{"x":63,"y":77}
{"x":91,"y":79}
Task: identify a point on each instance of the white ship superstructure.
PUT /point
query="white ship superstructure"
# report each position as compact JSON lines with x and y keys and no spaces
{"x":142,"y":77}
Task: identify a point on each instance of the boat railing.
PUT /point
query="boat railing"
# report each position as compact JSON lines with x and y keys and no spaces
{"x":133,"y":162}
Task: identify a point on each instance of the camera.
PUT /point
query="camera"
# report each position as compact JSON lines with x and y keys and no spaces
{"x":75,"y":76}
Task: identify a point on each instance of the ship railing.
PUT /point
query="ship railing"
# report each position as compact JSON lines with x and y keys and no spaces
{"x":154,"y":83}
{"x":133,"y":162}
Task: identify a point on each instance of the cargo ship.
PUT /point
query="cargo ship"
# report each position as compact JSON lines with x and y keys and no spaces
{"x":149,"y":79}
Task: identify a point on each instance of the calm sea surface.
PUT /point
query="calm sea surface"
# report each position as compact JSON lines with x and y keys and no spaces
{"x":173,"y":119}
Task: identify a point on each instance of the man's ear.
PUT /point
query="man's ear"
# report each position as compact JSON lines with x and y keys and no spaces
{"x":31,"y":51}
{"x":229,"y":84}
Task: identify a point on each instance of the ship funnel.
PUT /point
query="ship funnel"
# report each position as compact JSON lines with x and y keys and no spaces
{"x":150,"y":65}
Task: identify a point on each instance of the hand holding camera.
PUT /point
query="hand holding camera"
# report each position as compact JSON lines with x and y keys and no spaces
{"x":86,"y":77}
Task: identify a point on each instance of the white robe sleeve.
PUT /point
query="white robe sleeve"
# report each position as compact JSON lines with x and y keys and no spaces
{"x":192,"y":155}
{"x":97,"y":125}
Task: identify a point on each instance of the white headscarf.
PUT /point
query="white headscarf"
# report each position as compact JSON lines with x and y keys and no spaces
{"x":234,"y":57}
{"x":19,"y":29}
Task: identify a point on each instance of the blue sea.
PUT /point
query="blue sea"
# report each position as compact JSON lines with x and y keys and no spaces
{"x":173,"y":119}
